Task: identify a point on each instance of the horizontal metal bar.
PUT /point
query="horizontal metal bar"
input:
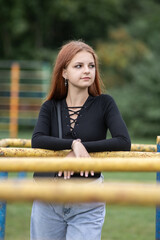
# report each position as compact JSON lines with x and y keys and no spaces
{"x":76,"y":192}
{"x":116,"y":164}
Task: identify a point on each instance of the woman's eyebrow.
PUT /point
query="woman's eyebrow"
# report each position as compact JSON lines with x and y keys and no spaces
{"x":83,"y":63}
{"x":78,"y":62}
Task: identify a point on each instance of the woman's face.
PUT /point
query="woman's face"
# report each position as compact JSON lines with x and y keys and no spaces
{"x":80,"y":72}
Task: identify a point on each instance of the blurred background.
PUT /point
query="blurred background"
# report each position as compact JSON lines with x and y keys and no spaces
{"x":124,"y":34}
{"x":126,"y":37}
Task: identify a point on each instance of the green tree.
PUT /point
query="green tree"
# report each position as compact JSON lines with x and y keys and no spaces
{"x":118,"y":54}
{"x":33,"y":29}
{"x":133,"y":62}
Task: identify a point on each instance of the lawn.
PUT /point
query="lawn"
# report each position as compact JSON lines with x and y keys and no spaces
{"x":121,"y":223}
{"x":129,"y":222}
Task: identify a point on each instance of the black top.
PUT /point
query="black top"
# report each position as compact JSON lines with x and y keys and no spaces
{"x":95,"y":117}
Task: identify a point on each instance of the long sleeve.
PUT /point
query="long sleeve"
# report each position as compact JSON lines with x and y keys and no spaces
{"x":97,"y":116}
{"x":45,"y":134}
{"x":120,"y":140}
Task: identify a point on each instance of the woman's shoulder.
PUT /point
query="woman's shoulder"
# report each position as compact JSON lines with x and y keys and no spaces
{"x":105,"y":98}
{"x":106,"y":102}
{"x":48,"y":103}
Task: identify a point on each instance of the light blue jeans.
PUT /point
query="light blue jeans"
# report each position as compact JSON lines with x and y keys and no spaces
{"x":67,"y":222}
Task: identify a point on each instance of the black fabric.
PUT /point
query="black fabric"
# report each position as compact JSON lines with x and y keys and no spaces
{"x":59,"y":119}
{"x":97,"y":115}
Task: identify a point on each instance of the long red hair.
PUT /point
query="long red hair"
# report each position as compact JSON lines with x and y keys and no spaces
{"x":67,"y":52}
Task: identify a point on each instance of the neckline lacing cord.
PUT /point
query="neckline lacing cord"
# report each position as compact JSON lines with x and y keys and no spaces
{"x":71,"y":113}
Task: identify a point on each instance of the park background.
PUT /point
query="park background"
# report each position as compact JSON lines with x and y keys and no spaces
{"x":125,"y":34}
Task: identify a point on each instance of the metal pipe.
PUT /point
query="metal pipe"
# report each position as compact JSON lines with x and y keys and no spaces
{"x":148,"y":164}
{"x":75,"y":192}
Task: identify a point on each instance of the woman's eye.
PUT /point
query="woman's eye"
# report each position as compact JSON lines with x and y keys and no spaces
{"x":92,"y":66}
{"x":78,"y":66}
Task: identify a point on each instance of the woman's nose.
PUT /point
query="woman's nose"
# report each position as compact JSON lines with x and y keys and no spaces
{"x":86,"y":69}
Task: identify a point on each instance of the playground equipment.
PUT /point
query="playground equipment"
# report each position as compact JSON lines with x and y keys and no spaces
{"x":111,"y":193}
{"x":26,"y":143}
{"x":23,"y":88}
{"x":31,"y":152}
{"x":158,"y":208}
{"x":84,"y":191}
{"x":116,"y":164}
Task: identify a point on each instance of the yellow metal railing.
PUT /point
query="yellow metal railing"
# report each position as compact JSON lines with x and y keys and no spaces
{"x":75,"y":192}
{"x":15,"y":142}
{"x":127,"y":164}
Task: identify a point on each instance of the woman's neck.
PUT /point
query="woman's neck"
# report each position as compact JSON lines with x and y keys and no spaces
{"x":74,"y":99}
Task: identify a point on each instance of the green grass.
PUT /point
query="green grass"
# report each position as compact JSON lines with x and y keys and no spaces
{"x":129,"y":222}
{"x":21,"y":134}
{"x":145,"y":140}
{"x":18,"y":221}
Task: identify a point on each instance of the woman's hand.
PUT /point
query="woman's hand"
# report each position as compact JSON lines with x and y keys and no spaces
{"x":80,"y":151}
{"x":67,"y":174}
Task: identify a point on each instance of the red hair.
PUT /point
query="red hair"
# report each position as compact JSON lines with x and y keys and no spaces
{"x":67,"y":52}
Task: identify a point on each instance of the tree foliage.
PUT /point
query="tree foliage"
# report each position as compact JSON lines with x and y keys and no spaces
{"x":30,"y":27}
{"x":132,"y":68}
{"x":125,"y":34}
{"x":118,"y":54}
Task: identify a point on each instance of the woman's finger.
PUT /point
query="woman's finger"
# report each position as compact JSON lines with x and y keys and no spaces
{"x":81,"y":173}
{"x":65,"y":174}
{"x":68,"y":175}
{"x":92,"y":173}
{"x":86,"y":173}
{"x":59,"y":173}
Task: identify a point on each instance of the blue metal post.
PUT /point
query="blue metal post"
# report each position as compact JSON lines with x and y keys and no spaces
{"x":22,"y":175}
{"x":2,"y":211}
{"x":158,"y":208}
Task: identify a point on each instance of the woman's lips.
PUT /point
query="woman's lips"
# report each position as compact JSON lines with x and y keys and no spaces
{"x":86,"y":78}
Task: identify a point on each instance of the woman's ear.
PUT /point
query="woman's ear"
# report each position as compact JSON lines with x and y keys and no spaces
{"x":64,"y":73}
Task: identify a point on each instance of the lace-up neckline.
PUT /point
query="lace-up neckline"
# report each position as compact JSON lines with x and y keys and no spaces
{"x":73,"y":115}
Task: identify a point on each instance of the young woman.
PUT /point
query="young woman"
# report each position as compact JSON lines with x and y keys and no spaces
{"x":86,"y":116}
